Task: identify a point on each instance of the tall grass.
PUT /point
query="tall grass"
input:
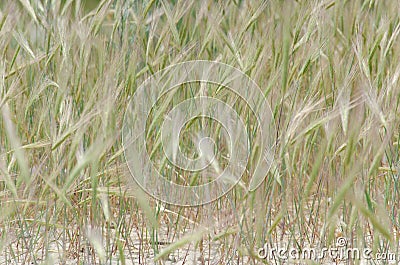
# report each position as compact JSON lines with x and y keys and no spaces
{"x":329,"y":70}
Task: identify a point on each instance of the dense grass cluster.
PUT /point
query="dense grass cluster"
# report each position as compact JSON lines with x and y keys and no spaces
{"x":329,"y":69}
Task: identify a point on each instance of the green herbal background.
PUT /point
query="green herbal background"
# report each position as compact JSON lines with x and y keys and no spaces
{"x":329,"y":69}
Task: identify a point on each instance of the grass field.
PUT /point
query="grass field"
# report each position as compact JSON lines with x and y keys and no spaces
{"x":329,"y":70}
